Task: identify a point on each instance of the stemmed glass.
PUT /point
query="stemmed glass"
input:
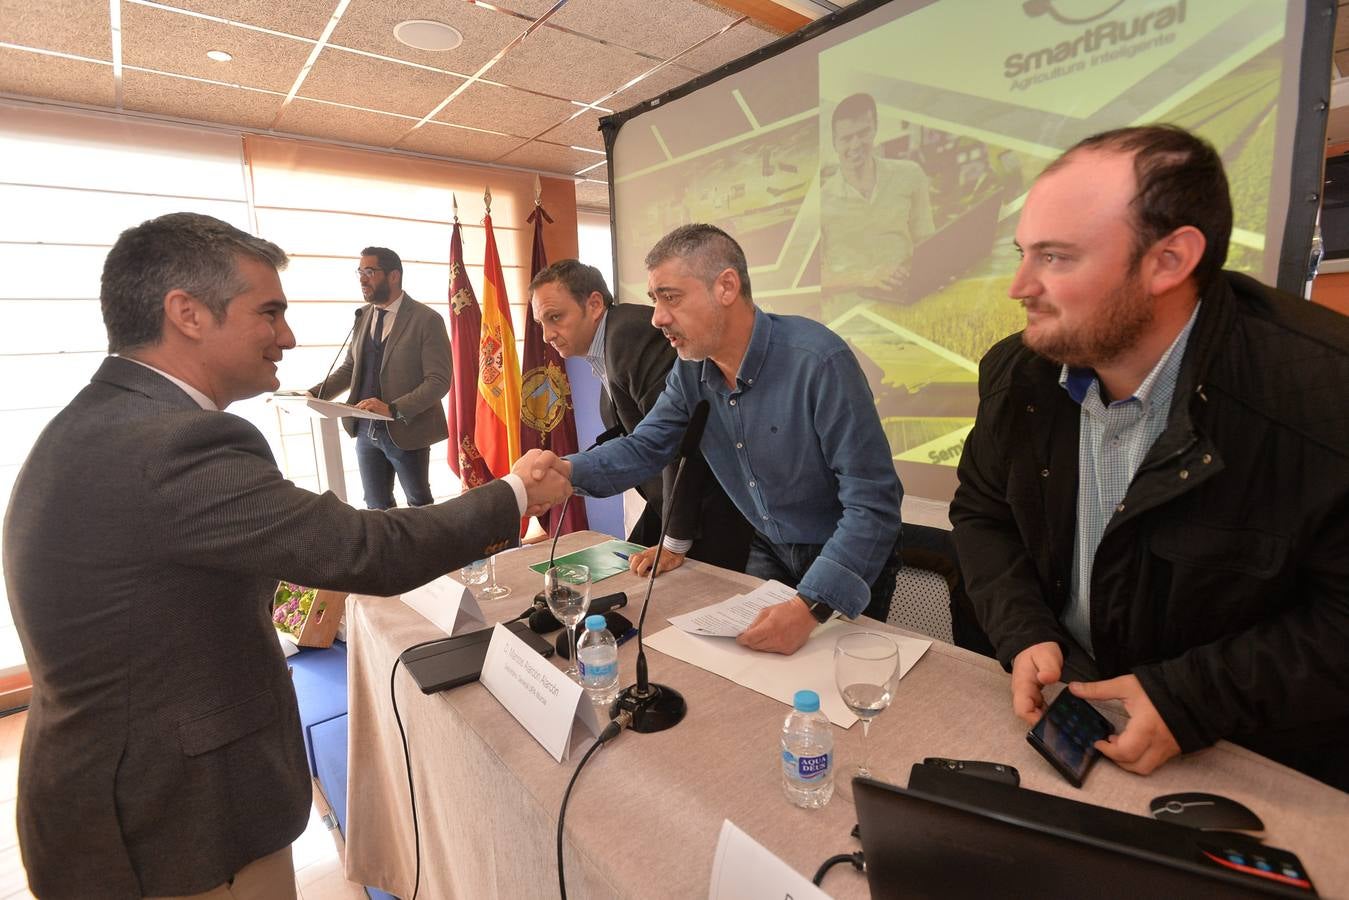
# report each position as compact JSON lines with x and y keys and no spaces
{"x":492,"y":590}
{"x":567,"y":589}
{"x":866,"y":669}
{"x":475,"y":573}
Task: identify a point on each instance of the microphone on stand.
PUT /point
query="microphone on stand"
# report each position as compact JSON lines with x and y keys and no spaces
{"x":541,"y":618}
{"x":655,"y":707}
{"x":323,"y":385}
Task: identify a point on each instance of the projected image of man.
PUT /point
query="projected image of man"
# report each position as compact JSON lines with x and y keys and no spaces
{"x":873,"y":210}
{"x":631,"y":359}
{"x":793,"y":437}
{"x":1154,"y":499}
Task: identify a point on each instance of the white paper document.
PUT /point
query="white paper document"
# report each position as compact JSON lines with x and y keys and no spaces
{"x":744,"y":869}
{"x":777,"y":676}
{"x":447,"y":604}
{"x":326,"y":409}
{"x":533,"y":690}
{"x":730,"y":617}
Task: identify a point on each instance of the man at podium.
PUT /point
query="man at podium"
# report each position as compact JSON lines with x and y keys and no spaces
{"x":397,"y":365}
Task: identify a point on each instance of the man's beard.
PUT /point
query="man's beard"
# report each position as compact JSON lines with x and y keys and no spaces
{"x":1113,"y":328}
{"x":379,"y":295}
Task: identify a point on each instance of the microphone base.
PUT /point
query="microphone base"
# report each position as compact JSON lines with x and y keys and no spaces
{"x":661,"y":708}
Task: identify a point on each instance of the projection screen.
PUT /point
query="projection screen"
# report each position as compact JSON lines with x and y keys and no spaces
{"x":971,"y":100}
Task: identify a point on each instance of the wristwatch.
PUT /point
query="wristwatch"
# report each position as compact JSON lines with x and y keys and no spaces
{"x":393,"y":412}
{"x":820,"y":610}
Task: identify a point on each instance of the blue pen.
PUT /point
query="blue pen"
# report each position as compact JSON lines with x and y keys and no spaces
{"x":622,"y":556}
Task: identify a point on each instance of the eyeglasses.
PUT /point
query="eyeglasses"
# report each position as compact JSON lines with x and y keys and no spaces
{"x":369,"y":271}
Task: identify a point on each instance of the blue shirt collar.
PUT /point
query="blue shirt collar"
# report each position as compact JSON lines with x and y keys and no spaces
{"x":1078,"y":381}
{"x":755,"y":354}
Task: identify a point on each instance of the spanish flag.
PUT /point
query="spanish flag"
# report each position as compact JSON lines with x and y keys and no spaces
{"x":496,"y":428}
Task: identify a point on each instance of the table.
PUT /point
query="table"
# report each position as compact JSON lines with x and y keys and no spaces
{"x":645,"y":815}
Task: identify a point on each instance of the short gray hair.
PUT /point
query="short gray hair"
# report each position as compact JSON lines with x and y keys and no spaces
{"x":706,"y":250}
{"x":179,"y":251}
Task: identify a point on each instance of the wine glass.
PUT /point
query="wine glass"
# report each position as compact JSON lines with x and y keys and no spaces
{"x":866,"y":669}
{"x":492,"y":590}
{"x":567,"y":589}
{"x":475,"y":573}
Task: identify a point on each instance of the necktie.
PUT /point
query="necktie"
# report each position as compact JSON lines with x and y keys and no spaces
{"x":379,"y":327}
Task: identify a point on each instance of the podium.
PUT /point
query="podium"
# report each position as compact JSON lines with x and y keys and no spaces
{"x":323,"y":416}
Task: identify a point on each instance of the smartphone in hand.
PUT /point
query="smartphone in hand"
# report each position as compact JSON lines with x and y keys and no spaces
{"x":1067,"y":733}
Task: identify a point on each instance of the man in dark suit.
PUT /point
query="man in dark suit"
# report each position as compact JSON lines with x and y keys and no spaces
{"x":146,"y":533}
{"x":398,"y":365}
{"x":570,"y":300}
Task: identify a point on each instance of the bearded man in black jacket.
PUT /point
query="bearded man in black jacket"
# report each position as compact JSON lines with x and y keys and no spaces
{"x":1155,"y":495}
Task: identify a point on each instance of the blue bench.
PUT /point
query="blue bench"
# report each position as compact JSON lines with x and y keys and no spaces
{"x":320,"y":679}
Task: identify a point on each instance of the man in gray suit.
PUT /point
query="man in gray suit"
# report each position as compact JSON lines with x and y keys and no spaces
{"x":631,"y":359}
{"x":145,"y":536}
{"x":398,"y":365}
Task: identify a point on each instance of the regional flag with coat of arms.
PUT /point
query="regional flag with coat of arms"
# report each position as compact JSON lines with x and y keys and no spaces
{"x":547,"y":419}
{"x":497,"y":427}
{"x":465,"y":332}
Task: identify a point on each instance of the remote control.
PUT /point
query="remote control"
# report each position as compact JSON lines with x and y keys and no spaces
{"x":990,"y":771}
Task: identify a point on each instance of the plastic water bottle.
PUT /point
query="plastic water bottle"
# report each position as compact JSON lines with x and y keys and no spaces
{"x":597,"y":661}
{"x":807,"y":753}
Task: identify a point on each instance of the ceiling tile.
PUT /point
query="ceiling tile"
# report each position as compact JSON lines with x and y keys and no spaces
{"x":67,"y":26}
{"x":658,"y":82}
{"x":357,"y":126}
{"x":376,"y":84}
{"x":306,"y":19}
{"x":582,"y":131}
{"x":56,"y":78}
{"x":598,"y":174}
{"x":564,"y":65}
{"x":594,"y":194}
{"x":661,"y":29}
{"x":368,"y":25}
{"x":505,"y":109}
{"x":171,"y":42}
{"x":740,"y":40}
{"x":550,"y":158}
{"x":169,"y":96}
{"x":457,"y":143}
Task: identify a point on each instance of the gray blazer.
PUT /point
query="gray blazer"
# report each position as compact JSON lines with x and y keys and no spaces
{"x":142,"y":544}
{"x":414,"y":375}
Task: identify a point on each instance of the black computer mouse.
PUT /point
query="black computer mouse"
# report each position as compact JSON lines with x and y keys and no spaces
{"x":1207,"y":812}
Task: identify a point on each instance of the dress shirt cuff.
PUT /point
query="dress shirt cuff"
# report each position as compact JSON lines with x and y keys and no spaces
{"x":518,"y":485}
{"x":675,"y":545}
{"x":841,"y":588}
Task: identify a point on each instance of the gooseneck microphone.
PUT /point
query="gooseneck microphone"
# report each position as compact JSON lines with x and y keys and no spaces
{"x":323,"y":385}
{"x":541,"y":618}
{"x":656,"y":707}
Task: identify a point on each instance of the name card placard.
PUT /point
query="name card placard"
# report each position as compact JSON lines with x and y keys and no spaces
{"x":744,"y":869}
{"x":447,"y":604}
{"x":540,"y":697}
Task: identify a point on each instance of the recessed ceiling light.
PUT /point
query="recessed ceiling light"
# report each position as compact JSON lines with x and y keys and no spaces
{"x":423,"y":34}
{"x":218,"y":55}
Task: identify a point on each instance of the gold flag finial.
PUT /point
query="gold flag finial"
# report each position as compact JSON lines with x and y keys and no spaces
{"x":538,"y":191}
{"x":487,"y":199}
{"x":454,"y":199}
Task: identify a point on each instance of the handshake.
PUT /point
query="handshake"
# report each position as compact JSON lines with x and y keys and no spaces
{"x":547,"y":479}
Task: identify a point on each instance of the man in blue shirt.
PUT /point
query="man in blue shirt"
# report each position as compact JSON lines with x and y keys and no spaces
{"x":793,"y":437}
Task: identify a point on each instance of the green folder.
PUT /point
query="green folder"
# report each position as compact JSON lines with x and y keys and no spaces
{"x":603,"y":559}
